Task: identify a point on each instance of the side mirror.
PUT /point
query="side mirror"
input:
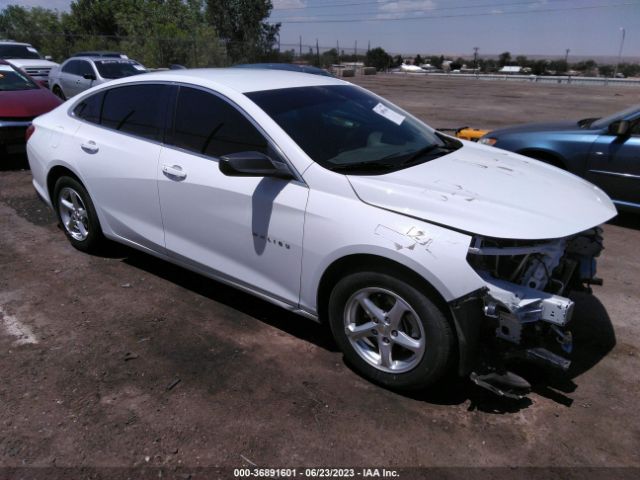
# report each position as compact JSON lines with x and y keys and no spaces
{"x":619,"y":128}
{"x":89,"y":76}
{"x":253,"y":164}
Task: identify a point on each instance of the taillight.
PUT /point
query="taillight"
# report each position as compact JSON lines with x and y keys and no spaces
{"x":30,"y":129}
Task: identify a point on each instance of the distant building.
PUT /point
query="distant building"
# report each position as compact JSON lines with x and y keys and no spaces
{"x":510,"y":70}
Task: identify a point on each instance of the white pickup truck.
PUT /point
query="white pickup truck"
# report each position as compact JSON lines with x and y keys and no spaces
{"x":27,"y":59}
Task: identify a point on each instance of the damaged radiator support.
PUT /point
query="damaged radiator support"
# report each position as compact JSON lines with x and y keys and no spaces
{"x":525,"y":284}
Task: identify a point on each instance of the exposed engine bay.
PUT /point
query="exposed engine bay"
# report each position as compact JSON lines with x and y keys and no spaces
{"x":526,"y":304}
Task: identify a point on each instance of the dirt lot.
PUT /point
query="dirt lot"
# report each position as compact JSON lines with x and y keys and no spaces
{"x":124,"y":360}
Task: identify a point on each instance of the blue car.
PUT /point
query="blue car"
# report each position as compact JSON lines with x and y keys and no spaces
{"x":605,"y":151}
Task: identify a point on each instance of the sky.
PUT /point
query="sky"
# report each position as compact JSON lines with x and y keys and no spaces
{"x":528,"y":27}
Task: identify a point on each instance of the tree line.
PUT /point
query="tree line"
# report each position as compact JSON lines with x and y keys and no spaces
{"x":379,"y":58}
{"x":158,"y":33}
{"x":199,"y":33}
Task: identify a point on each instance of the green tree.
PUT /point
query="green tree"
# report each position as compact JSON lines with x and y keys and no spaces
{"x":539,"y":67}
{"x":378,"y":58}
{"x":418,"y":60}
{"x":330,"y":57}
{"x":558,"y":66}
{"x":504,"y":59}
{"x":155,"y":32}
{"x":606,"y":70}
{"x":242,"y":26}
{"x":43,"y":28}
{"x":523,"y":61}
{"x":436,"y":61}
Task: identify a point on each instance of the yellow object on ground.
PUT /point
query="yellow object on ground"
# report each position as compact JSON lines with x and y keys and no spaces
{"x":472,"y":134}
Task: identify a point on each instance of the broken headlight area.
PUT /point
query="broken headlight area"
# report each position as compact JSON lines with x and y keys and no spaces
{"x":526,"y":304}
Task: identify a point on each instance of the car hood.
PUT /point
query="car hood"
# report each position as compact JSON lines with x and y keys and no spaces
{"x":537,"y":127}
{"x":27,"y":103}
{"x":490,"y":192}
{"x":31,"y":62}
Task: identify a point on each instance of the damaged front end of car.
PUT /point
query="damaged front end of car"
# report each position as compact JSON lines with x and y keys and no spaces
{"x":525,"y":306}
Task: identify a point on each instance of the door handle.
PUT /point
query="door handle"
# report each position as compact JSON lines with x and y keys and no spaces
{"x":174,"y":172}
{"x":90,"y":147}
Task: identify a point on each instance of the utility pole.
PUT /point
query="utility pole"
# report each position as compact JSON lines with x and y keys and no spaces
{"x":369,"y":46}
{"x":300,"y":55}
{"x":355,"y":51}
{"x":475,"y":58}
{"x":615,"y":72}
{"x":566,"y":56}
{"x":318,"y":52}
{"x":338,"y":48}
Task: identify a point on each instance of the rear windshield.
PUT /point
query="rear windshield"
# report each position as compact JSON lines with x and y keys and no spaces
{"x":18,"y":51}
{"x":11,"y":80}
{"x":118,"y":68}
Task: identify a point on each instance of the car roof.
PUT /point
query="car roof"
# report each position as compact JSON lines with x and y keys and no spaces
{"x":96,"y":58}
{"x":11,"y":42}
{"x":293,"y":67}
{"x":98,"y":53}
{"x":242,"y":80}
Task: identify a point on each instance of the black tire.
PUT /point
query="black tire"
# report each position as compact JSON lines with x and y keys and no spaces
{"x":94,"y":240}
{"x":59,"y":93}
{"x":439,"y":341}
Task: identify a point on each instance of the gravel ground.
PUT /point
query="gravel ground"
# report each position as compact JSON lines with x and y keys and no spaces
{"x":123,"y":360}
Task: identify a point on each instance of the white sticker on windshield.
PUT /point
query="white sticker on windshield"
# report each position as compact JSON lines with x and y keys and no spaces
{"x":5,"y":68}
{"x":389,"y":114}
{"x":32,"y":50}
{"x":139,"y":67}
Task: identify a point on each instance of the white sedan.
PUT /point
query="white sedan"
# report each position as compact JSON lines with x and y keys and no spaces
{"x":423,"y":253}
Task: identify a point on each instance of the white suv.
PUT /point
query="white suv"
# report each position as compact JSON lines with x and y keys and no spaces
{"x":26,"y":58}
{"x":422,"y":252}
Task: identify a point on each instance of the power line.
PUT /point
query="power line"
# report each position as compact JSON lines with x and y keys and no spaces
{"x":421,"y":10}
{"x":434,"y":17}
{"x":352,"y":4}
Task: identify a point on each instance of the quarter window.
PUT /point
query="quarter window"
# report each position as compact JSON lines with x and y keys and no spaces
{"x":90,"y":108}
{"x":136,"y":109}
{"x":208,"y":125}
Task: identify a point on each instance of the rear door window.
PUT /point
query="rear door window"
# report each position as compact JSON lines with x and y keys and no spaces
{"x":137,"y":109}
{"x":208,"y":125}
{"x":71,"y":67}
{"x":90,"y":108}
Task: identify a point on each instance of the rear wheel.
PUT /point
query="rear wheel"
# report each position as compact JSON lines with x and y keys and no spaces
{"x":77,"y":215}
{"x":389,"y":331}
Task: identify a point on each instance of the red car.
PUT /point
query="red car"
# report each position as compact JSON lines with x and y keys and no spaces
{"x":21,"y":100}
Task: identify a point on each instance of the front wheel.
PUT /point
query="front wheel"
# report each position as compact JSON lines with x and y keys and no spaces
{"x":77,"y":215}
{"x":389,"y":331}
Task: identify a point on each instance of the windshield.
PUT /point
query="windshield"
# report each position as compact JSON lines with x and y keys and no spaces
{"x":18,"y":51}
{"x":346,"y":129}
{"x":11,"y":80}
{"x":605,"y":121}
{"x":118,"y":68}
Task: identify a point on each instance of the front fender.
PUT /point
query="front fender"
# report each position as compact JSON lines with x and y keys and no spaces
{"x":334,"y":231}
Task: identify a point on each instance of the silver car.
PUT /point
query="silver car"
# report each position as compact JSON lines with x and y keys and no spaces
{"x":78,"y":74}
